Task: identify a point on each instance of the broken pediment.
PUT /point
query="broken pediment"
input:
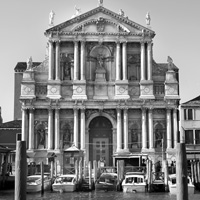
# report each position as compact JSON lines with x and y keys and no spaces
{"x":100,"y":20}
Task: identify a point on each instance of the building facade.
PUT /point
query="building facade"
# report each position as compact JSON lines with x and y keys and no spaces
{"x":100,"y":89}
{"x":190,"y":127}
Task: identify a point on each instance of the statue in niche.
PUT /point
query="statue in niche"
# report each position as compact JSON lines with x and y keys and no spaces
{"x":66,"y":138}
{"x":100,"y":60}
{"x":158,"y":137}
{"x":66,"y":66}
{"x":41,"y":138}
{"x":134,"y":138}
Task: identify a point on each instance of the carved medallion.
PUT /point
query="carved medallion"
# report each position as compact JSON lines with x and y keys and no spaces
{"x":100,"y":24}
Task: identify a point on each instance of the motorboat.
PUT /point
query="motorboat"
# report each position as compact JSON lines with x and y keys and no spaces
{"x":172,"y":184}
{"x":65,"y":183}
{"x":107,"y":182}
{"x":34,"y":184}
{"x":134,"y":182}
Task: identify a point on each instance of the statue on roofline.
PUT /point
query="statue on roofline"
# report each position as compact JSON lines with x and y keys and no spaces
{"x":170,"y":63}
{"x":29,"y":63}
{"x":148,"y":18}
{"x":51,"y":18}
{"x":100,"y":2}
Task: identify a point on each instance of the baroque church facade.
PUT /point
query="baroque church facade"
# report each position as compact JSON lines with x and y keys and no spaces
{"x":100,"y":90}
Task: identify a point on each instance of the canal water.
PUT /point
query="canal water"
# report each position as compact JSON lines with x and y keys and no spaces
{"x":9,"y":195}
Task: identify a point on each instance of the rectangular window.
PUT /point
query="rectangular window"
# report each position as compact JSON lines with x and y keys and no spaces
{"x":197,"y":136}
{"x":188,"y":114}
{"x":189,"y":137}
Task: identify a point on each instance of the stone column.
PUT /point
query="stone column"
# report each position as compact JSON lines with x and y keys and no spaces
{"x":119,"y":130}
{"x":31,"y":129}
{"x":50,"y":129}
{"x":169,"y":126}
{"x":76,"y":127}
{"x":57,"y":129}
{"x":82,"y":129}
{"x":144,"y":129}
{"x":143,"y":70}
{"x":118,"y":62}
{"x":149,"y":60}
{"x":124,"y":58}
{"x":151,"y":137}
{"x":82,"y":60}
{"x":76,"y":61}
{"x":24,"y":124}
{"x":57,"y":60}
{"x":126,"y":129}
{"x":51,"y":60}
{"x":175,"y":126}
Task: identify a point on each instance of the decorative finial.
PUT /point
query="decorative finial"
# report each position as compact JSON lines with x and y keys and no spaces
{"x":121,"y":12}
{"x":77,"y":12}
{"x":100,"y":2}
{"x":148,"y":19}
{"x":170,"y":63}
{"x":51,"y":18}
{"x":29,"y":63}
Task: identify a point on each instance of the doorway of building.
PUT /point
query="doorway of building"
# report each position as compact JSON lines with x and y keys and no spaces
{"x":100,"y":139}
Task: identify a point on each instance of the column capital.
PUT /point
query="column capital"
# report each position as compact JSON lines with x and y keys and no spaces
{"x":50,"y":41}
{"x":57,"y":42}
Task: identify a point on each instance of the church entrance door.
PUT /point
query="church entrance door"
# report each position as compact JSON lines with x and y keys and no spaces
{"x":100,"y":138}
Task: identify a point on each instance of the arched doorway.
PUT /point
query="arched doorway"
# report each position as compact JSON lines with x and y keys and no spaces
{"x":100,"y":140}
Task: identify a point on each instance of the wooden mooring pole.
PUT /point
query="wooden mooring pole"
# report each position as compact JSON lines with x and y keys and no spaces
{"x":181,"y":172}
{"x":20,"y":169}
{"x":42,"y":177}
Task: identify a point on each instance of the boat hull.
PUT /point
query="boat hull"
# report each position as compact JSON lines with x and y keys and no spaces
{"x":134,"y":188}
{"x":37,"y":188}
{"x":173,"y":190}
{"x":63,"y":188}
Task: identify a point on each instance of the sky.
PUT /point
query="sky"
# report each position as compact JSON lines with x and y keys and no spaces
{"x":175,"y":22}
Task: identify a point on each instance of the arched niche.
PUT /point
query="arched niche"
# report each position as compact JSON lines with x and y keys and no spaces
{"x":105,"y":54}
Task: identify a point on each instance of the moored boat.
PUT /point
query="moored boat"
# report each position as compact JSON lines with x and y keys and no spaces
{"x":134,"y":182}
{"x":65,"y":183}
{"x":107,"y":181}
{"x":34,"y":183}
{"x":172,"y":184}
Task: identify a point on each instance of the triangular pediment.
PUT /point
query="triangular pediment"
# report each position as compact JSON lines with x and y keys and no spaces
{"x":100,"y":20}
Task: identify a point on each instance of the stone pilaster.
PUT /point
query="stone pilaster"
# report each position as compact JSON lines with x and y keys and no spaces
{"x":118,"y":61}
{"x":143,"y":62}
{"x":76,"y":127}
{"x":151,"y":136}
{"x":169,"y":127}
{"x":57,"y":60}
{"x":76,"y":61}
{"x":119,"y":130}
{"x":125,"y":129}
{"x":82,"y":129}
{"x":124,"y":60}
{"x":31,"y":129}
{"x":144,"y":129}
{"x":175,"y":125}
{"x":50,"y":129}
{"x":57,"y":129}
{"x":149,"y":61}
{"x":51,"y":60}
{"x":82,"y":60}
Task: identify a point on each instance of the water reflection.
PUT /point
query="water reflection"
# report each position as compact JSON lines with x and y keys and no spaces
{"x":9,"y":195}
